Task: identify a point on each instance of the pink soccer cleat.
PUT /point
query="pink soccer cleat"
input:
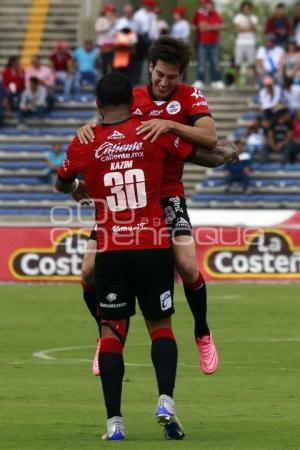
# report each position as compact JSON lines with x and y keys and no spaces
{"x":208,"y":355}
{"x":96,"y":368}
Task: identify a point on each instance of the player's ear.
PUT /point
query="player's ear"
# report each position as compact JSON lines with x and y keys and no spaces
{"x":98,"y":103}
{"x":151,"y":67}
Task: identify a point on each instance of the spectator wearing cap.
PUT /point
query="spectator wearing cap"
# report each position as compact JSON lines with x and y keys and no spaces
{"x":270,"y":95}
{"x":13,"y":82}
{"x":87,"y":60}
{"x":146,"y":20}
{"x":181,"y":28}
{"x":208,"y":23}
{"x":279,"y":25}
{"x":245,"y":43}
{"x":268,"y":58}
{"x":239,"y":173}
{"x":64,"y":67}
{"x":105,"y":27}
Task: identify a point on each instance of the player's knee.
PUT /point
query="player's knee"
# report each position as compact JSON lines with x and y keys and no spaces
{"x":162,"y":333}
{"x":87,"y":274}
{"x":188,"y":269}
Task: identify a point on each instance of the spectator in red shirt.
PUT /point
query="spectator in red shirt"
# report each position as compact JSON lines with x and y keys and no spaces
{"x":279,"y":25}
{"x":13,"y":82}
{"x":208,"y":23}
{"x":64,"y":67}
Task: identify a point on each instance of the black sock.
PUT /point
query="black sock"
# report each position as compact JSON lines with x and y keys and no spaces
{"x":90,"y":299}
{"x":164,"y":357}
{"x":197,"y":300}
{"x":112,"y":373}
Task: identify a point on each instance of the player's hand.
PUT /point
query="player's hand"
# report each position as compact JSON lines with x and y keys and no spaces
{"x":81,"y":194}
{"x":154,"y":128}
{"x":231,"y":151}
{"x":85,"y":134}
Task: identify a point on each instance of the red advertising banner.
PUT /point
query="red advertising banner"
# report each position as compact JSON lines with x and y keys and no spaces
{"x":47,"y":254}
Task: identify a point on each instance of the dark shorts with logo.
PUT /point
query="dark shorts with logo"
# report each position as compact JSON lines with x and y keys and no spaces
{"x":177,"y":217}
{"x":123,"y":276}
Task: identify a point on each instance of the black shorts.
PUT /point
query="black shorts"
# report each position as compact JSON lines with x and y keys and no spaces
{"x":177,"y":217}
{"x":122,"y":276}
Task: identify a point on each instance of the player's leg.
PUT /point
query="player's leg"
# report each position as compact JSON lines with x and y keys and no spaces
{"x":89,"y":293}
{"x":116,"y":303}
{"x":193,"y":281}
{"x":155,"y":283}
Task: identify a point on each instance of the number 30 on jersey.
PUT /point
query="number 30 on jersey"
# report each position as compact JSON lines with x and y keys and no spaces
{"x":128,"y":190}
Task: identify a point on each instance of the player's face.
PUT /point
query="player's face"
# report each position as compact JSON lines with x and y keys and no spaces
{"x":165,"y":77}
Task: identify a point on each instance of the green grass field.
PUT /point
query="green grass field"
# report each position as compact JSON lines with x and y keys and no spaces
{"x":252,"y":402}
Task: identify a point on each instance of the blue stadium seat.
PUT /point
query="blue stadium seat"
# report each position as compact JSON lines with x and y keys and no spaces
{"x":33,"y":181}
{"x":17,"y":165}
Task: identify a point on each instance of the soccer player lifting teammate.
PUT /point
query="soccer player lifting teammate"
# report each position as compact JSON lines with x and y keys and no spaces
{"x":123,"y":175}
{"x":167,"y":105}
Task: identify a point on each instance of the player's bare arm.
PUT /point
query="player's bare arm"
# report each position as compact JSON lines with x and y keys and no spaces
{"x":223,"y":152}
{"x":202,"y":133}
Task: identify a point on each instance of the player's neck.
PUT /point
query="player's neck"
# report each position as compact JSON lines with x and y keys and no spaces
{"x":115,"y":114}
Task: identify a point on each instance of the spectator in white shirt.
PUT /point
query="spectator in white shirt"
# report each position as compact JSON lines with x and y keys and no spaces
{"x":105,"y":29}
{"x":127,"y":20}
{"x":245,"y":25}
{"x":291,"y":95}
{"x":181,"y":29}
{"x":269,"y":96}
{"x":147,"y":32}
{"x":268,"y":58}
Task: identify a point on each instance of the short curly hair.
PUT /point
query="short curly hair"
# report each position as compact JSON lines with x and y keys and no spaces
{"x":171,"y":51}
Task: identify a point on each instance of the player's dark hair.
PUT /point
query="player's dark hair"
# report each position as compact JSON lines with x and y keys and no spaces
{"x":171,"y":51}
{"x":243,"y":4}
{"x":114,"y":89}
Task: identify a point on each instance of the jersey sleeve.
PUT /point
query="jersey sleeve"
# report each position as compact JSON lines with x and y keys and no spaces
{"x":176,"y":147}
{"x":196,"y":104}
{"x":73,"y":162}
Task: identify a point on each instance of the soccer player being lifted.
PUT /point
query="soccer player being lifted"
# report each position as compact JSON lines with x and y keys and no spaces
{"x":123,"y":175}
{"x":167,"y":105}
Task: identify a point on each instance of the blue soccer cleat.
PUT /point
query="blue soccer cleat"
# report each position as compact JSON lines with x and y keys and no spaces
{"x":166,"y":417}
{"x":115,"y":429}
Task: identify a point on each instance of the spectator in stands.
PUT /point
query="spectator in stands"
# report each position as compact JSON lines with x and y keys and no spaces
{"x":146,"y":21}
{"x":125,"y":46}
{"x":256,"y":140}
{"x":296,"y":24}
{"x":33,"y":101}
{"x":13,"y":82}
{"x":127,"y":20}
{"x":43,"y":73}
{"x":163,"y":27}
{"x":64,"y":67}
{"x":269,"y":97}
{"x":281,"y":133}
{"x":268,"y":57}
{"x":55,"y":158}
{"x":279,"y":25}
{"x":245,"y":26}
{"x":105,"y":28}
{"x":208,"y":23}
{"x":292,"y":150}
{"x":290,"y":61}
{"x":291,"y":95}
{"x":239,"y":173}
{"x":230,"y":75}
{"x":181,"y":28}
{"x":87,"y":61}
